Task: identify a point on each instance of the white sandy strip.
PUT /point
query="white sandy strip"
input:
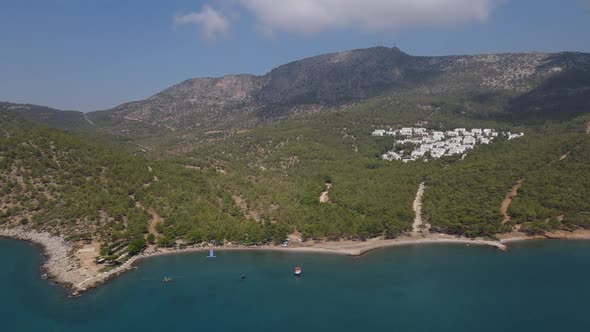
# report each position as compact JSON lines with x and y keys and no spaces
{"x":356,"y":250}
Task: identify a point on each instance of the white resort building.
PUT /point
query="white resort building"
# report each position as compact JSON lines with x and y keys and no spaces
{"x":436,"y":144}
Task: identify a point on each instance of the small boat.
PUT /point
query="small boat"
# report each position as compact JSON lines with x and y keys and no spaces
{"x":297,"y":271}
{"x":167,"y":280}
{"x":211,"y":254}
{"x":242,"y":277}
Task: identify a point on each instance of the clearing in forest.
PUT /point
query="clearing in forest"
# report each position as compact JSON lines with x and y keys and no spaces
{"x":417,"y":207}
{"x":156,"y":219}
{"x":508,"y":200}
{"x":324,"y":198}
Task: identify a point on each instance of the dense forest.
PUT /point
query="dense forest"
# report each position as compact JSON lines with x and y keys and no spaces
{"x":556,"y":195}
{"x":57,"y":181}
{"x":465,"y":197}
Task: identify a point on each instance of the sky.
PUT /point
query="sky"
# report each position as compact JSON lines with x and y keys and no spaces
{"x":95,"y":54}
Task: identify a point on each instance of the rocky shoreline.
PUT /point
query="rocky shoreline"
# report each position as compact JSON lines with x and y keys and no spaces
{"x":58,"y":265}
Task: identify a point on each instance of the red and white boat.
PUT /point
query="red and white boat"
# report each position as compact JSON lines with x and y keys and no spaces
{"x":297,"y":271}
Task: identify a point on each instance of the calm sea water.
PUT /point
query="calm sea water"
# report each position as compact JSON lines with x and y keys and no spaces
{"x":537,"y":286}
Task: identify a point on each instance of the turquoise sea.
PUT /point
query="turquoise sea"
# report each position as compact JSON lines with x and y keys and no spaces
{"x":535,"y":286}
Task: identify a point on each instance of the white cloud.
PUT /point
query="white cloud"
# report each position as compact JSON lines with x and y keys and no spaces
{"x":311,"y":16}
{"x":213,"y":24}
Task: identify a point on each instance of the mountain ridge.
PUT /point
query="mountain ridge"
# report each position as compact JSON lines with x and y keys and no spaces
{"x":335,"y":79}
{"x":60,"y":119}
{"x":332,"y":81}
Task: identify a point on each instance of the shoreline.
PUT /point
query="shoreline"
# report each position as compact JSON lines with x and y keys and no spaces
{"x":58,"y":265}
{"x":61,"y":265}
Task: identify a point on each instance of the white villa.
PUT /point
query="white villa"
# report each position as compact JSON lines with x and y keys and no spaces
{"x":378,"y":132}
{"x":513,"y":136}
{"x":391,"y":156}
{"x":469,"y":140}
{"x":452,"y":133}
{"x":438,"y":135}
{"x":406,"y":131}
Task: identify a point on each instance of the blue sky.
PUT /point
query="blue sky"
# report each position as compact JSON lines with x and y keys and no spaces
{"x":90,"y":55}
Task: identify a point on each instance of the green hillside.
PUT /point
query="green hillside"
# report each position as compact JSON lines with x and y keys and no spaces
{"x":70,"y":185}
{"x":56,"y":181}
{"x":318,"y":174}
{"x":260,"y":185}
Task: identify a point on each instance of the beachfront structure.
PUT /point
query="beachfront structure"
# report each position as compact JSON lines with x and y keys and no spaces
{"x":437,"y":144}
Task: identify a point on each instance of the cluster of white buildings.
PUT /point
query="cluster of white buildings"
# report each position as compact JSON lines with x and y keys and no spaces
{"x":437,"y":144}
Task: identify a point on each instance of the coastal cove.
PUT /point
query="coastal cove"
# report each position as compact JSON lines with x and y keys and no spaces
{"x":63,"y":264}
{"x":536,"y":285}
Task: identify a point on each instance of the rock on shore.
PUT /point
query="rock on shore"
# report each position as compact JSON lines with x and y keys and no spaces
{"x":59,"y":264}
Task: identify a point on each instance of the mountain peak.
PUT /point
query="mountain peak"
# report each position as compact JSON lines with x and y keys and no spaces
{"x":335,"y":79}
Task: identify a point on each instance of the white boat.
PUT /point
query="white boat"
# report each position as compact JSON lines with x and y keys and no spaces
{"x":297,"y":271}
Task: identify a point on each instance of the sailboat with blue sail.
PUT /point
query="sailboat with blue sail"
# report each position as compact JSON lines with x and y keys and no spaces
{"x":211,"y":254}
